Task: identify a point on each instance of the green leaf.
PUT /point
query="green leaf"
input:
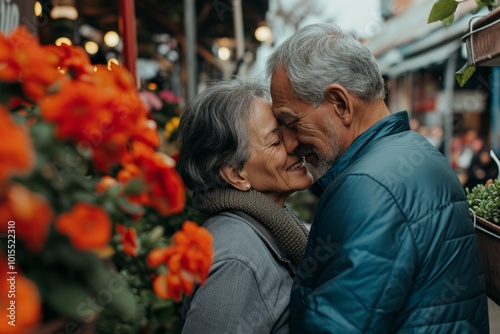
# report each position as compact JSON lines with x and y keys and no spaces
{"x":442,"y":10}
{"x":484,"y":3}
{"x":449,"y":20}
{"x":464,"y":74}
{"x":43,"y":134}
{"x":134,"y":187}
{"x":129,"y":207}
{"x":69,"y":299}
{"x":112,"y":289}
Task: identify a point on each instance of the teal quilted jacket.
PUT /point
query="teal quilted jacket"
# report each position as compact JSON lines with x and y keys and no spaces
{"x":392,"y":248}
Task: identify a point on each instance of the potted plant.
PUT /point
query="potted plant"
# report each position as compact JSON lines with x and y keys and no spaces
{"x":484,"y":203}
{"x":481,"y":40}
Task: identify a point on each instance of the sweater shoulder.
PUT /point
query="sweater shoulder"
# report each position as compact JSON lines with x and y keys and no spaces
{"x":234,"y":239}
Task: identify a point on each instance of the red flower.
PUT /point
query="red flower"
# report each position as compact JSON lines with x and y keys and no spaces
{"x":80,"y":111}
{"x":147,"y":133}
{"x":28,"y":307}
{"x":101,"y":111}
{"x":105,"y":183}
{"x":16,"y":153}
{"x":23,"y":59}
{"x":72,"y":58}
{"x":87,"y":226}
{"x":165,"y":192}
{"x":188,"y":261}
{"x":129,"y":239}
{"x":31,"y":213}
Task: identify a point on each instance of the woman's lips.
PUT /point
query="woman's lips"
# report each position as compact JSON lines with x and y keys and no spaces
{"x":297,"y":165}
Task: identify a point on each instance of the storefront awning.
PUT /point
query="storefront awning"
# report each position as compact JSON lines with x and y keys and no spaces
{"x":434,"y":56}
{"x":407,"y":42}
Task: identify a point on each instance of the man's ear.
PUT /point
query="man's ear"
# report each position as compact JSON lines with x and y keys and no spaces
{"x":341,"y":101}
{"x":235,"y":178}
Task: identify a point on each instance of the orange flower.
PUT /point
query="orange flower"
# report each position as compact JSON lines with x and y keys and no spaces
{"x":172,"y":286}
{"x":165,"y":192}
{"x":9,"y":70}
{"x":30,"y":212}
{"x":110,"y":152}
{"x":16,"y":153}
{"x":105,"y":183}
{"x":196,"y":243}
{"x":27,"y":304}
{"x":157,"y":256}
{"x":129,"y":239}
{"x":102,"y":111}
{"x":114,"y":76}
{"x":87,"y":226}
{"x":188,"y":261}
{"x":23,"y":59}
{"x":80,"y":111}
{"x":147,"y":133}
{"x":72,"y":58}
{"x":129,"y":172}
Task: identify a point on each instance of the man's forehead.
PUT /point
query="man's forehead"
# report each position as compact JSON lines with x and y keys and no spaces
{"x":279,"y":80}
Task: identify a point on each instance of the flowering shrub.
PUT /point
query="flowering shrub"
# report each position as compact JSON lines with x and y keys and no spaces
{"x":91,"y":213}
{"x":164,"y":109}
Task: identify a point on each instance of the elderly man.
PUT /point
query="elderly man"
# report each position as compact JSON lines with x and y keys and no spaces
{"x":392,"y":247}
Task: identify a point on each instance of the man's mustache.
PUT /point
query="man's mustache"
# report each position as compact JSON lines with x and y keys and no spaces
{"x":304,"y":150}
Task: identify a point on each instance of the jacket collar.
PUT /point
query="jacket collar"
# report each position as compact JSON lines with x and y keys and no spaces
{"x":394,"y":123}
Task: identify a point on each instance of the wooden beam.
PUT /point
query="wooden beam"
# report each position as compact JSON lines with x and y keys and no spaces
{"x":128,"y":32}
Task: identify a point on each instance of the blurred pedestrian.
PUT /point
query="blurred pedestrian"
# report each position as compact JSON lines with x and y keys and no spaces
{"x":481,"y":168}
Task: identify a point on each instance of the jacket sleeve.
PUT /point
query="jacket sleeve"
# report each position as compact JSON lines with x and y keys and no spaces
{"x":359,"y":287}
{"x":229,"y":302}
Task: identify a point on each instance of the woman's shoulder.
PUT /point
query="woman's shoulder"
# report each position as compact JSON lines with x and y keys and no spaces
{"x":226,"y":221}
{"x":234,"y":239}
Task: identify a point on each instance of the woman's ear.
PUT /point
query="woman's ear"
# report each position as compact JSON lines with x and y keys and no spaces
{"x":341,"y":101}
{"x":235,"y":178}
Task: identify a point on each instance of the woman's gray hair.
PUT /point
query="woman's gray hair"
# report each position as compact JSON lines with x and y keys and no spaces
{"x":213,"y":132}
{"x":321,"y":54}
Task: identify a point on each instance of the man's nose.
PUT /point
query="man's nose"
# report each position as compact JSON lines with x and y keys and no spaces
{"x":290,"y":140}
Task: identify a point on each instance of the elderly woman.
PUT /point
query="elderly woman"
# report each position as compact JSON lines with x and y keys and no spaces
{"x":233,"y":158}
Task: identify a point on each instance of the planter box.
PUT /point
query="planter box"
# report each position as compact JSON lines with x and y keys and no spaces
{"x":488,"y":238}
{"x":482,"y":41}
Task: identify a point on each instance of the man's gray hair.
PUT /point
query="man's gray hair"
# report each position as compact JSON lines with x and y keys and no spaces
{"x":321,"y":54}
{"x":214,"y":133}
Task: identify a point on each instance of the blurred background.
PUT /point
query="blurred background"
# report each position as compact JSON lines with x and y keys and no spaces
{"x":175,"y":46}
{"x":180,"y":44}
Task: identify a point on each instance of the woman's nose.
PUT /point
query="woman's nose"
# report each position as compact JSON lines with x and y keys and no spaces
{"x":290,"y":140}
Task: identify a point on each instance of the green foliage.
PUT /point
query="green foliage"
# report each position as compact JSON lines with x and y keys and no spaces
{"x":483,"y":3}
{"x":464,"y":74}
{"x":303,"y":204}
{"x":485,"y":201}
{"x":113,"y":290}
{"x":449,"y":20}
{"x":443,"y":10}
